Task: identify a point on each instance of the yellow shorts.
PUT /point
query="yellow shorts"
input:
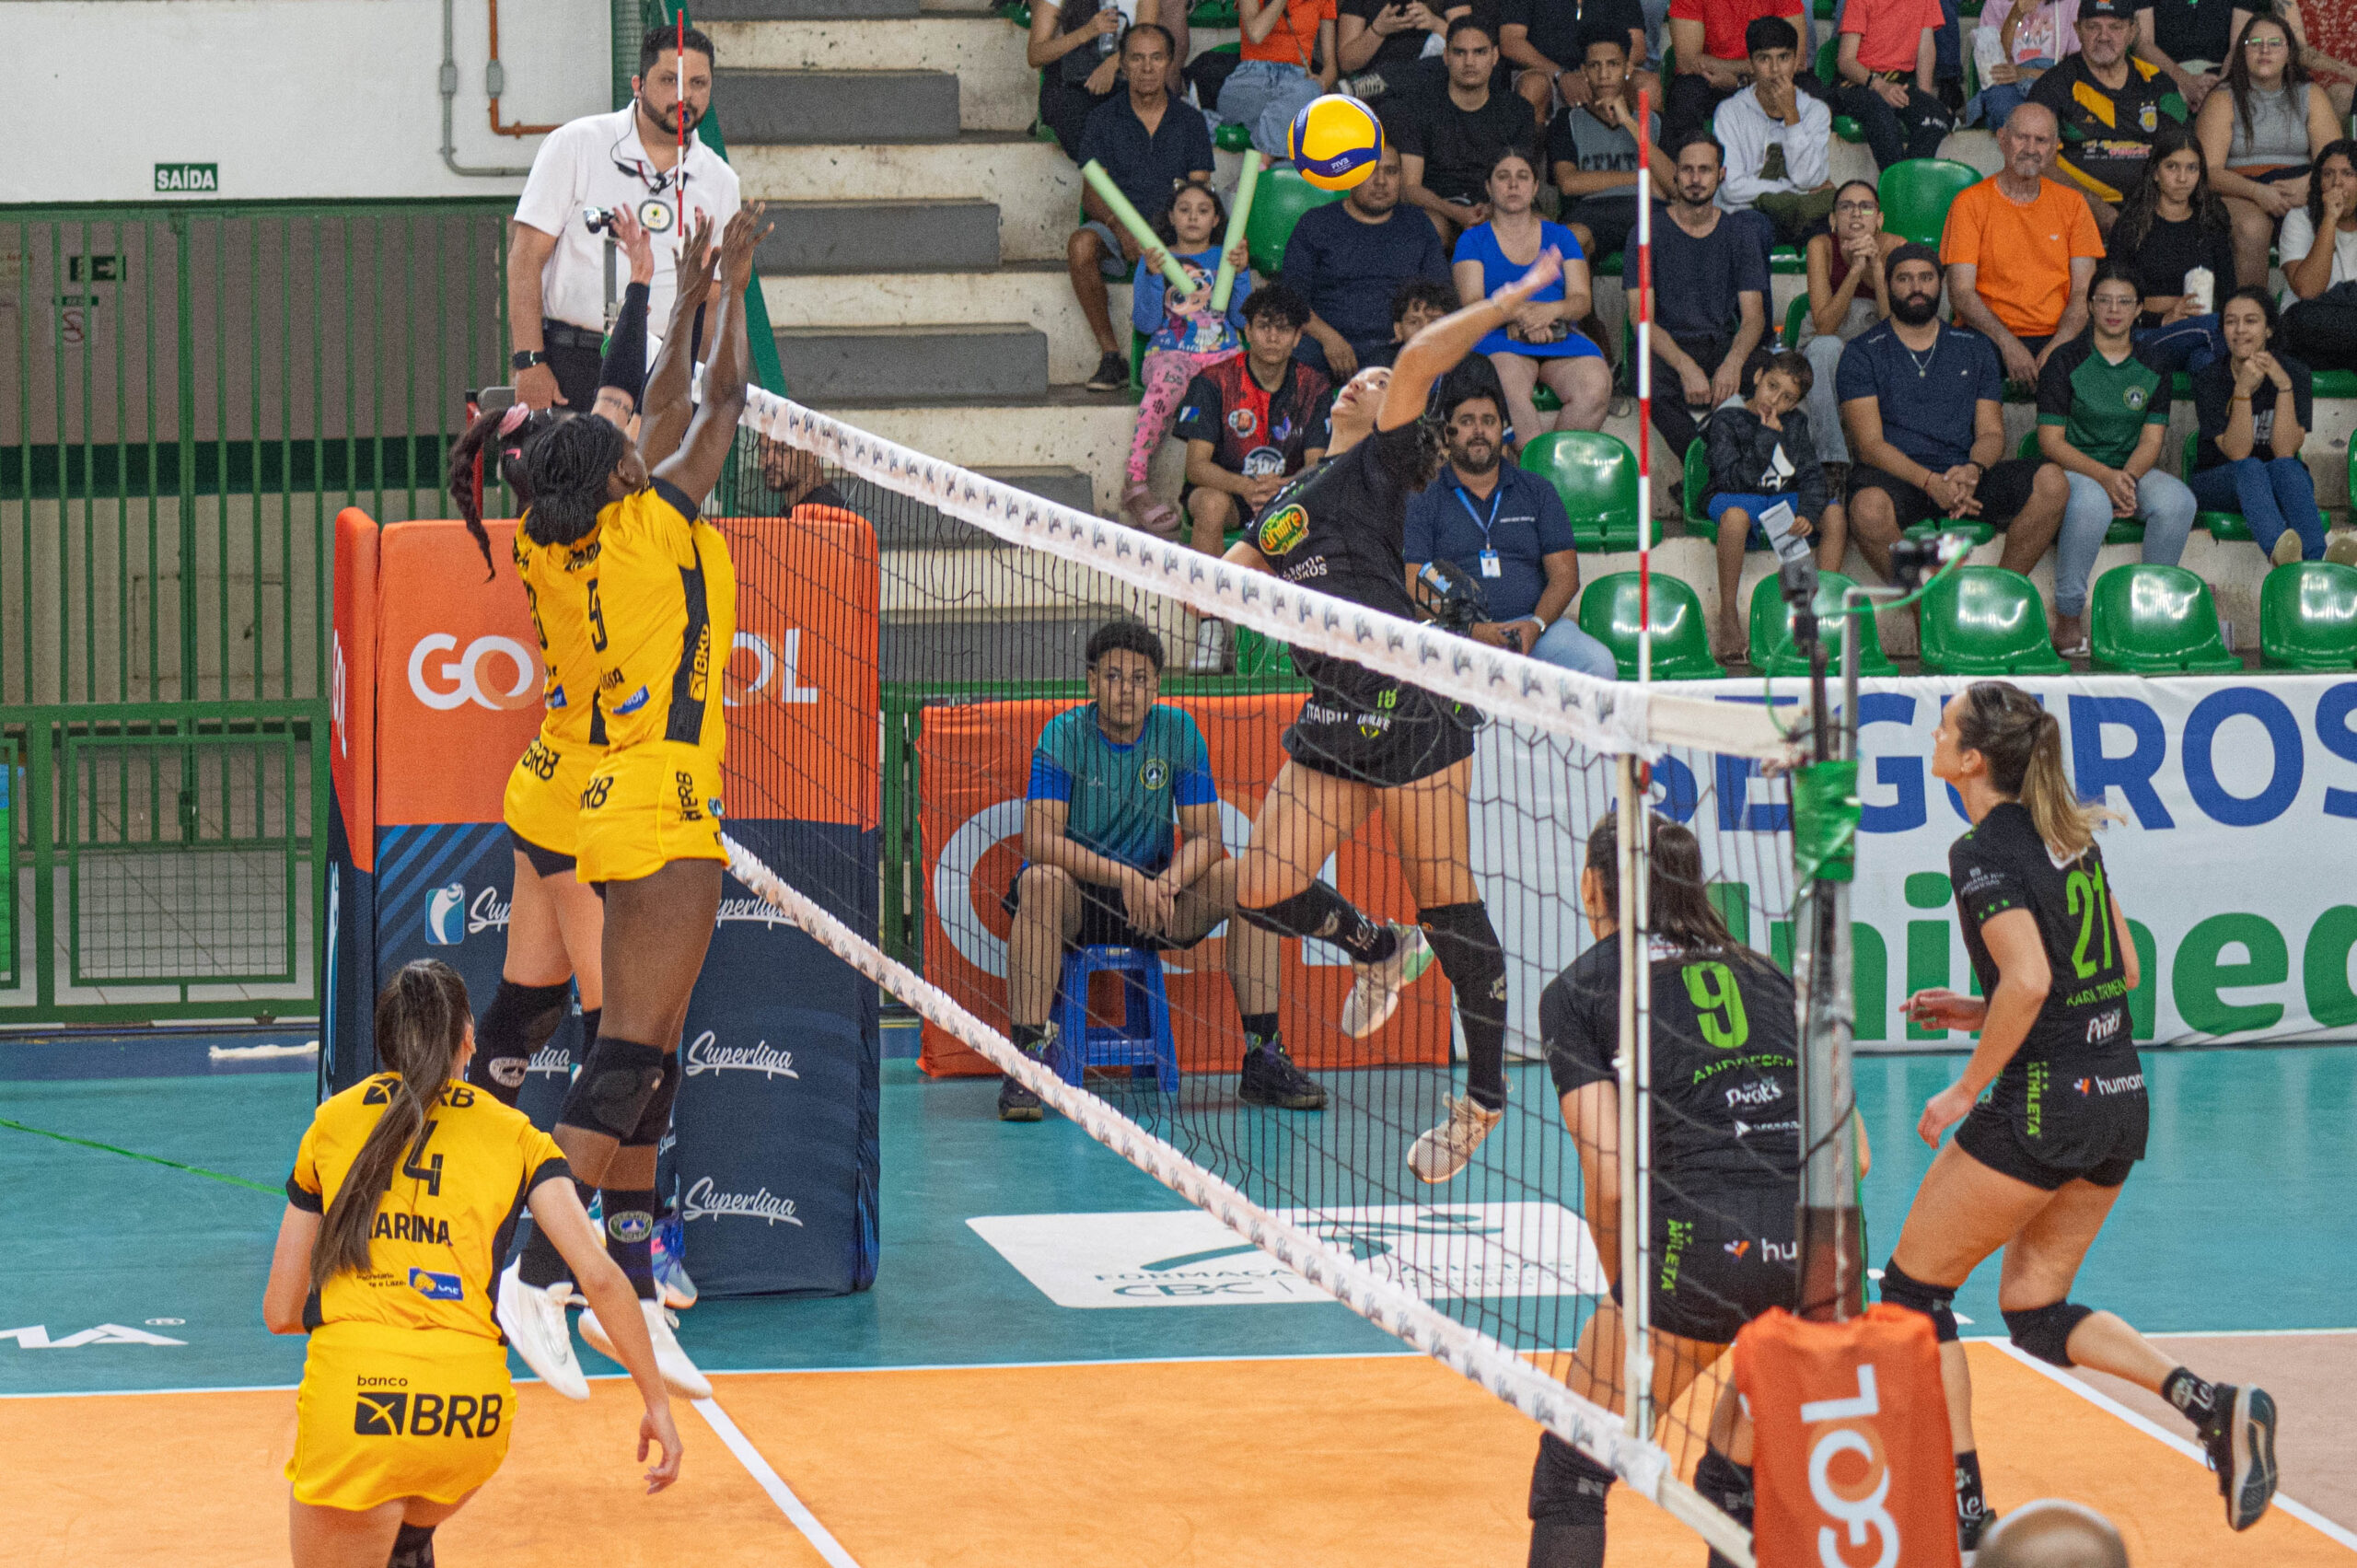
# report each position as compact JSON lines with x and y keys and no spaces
{"x":387,"y":1412}
{"x":647,"y":807}
{"x":543,"y":804}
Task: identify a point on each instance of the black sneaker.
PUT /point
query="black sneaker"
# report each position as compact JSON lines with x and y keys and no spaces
{"x":1270,"y":1078}
{"x":1016,"y":1103}
{"x":1113,"y":373}
{"x":2241,"y":1441}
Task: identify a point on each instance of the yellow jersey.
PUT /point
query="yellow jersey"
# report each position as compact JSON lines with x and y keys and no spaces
{"x":443,"y":1225}
{"x":571,"y":716}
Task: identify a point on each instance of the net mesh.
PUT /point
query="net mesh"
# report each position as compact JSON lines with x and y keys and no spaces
{"x":984,"y":597}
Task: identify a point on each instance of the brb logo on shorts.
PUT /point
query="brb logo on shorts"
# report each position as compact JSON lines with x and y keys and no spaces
{"x":390,"y":1414}
{"x":511,"y":670}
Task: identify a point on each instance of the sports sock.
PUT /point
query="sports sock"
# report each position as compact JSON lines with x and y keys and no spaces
{"x":1260,"y":1030}
{"x":1727,"y":1486}
{"x":1971,"y":1503}
{"x":589,"y":1019}
{"x":1318,"y":911}
{"x":412,"y":1548}
{"x":2197,"y":1399}
{"x":542,"y":1264}
{"x":630,"y":1235}
{"x":1467,"y":945}
{"x":1563,"y":1543}
{"x":1031,"y":1038}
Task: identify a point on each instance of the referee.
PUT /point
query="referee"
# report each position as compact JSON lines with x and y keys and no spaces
{"x":565,"y":282}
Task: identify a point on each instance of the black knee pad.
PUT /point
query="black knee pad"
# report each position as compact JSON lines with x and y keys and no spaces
{"x":518,"y":1022}
{"x":1726,"y":1484}
{"x":1467,"y":945}
{"x":2045,"y":1332}
{"x":1310,"y":912}
{"x":613,"y":1088}
{"x":1566,"y":1486}
{"x":655,"y":1119}
{"x":1935,"y":1302}
{"x":1558,"y":1543}
{"x":412,"y":1547}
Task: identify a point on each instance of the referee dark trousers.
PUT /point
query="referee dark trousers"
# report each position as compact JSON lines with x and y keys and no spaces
{"x":576,"y":355}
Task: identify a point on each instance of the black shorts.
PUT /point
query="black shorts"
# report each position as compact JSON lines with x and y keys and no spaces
{"x":545,"y":861}
{"x":1104,"y":923}
{"x":1723,"y":1254}
{"x":2002,"y":491}
{"x":1407,"y":733}
{"x":2049,"y":1129}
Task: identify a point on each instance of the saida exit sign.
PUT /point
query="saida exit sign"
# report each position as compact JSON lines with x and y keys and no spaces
{"x":183,"y":177}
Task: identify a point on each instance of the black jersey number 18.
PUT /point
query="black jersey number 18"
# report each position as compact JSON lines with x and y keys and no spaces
{"x":1718,"y":1005}
{"x":2090,"y":901}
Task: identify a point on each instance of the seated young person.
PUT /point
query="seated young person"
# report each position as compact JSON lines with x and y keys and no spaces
{"x":1845,"y":298}
{"x":1415,"y":305}
{"x":1110,"y":781}
{"x":1543,"y":344}
{"x":1778,"y":140}
{"x":1451,"y":140}
{"x":2255,"y":409}
{"x":1592,"y":151}
{"x":1710,"y":289}
{"x":1885,"y":65}
{"x":1183,"y":333}
{"x":1768,"y":489}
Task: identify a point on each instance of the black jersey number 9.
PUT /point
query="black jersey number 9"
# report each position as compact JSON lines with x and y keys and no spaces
{"x":1718,"y":1002}
{"x":596,"y":619}
{"x":2092,"y":903}
{"x":427,"y":1172}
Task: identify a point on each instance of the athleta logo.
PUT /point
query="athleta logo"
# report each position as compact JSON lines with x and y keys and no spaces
{"x":703,"y":1056}
{"x":453,"y":684}
{"x":704,"y":1202}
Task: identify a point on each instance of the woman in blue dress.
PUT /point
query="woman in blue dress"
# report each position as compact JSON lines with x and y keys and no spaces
{"x":1542,"y":342}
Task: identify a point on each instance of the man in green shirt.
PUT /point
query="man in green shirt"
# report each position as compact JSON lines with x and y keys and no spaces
{"x":2103,"y":415}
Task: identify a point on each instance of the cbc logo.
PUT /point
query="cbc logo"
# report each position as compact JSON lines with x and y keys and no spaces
{"x":1845,"y":1426}
{"x":496,"y":672}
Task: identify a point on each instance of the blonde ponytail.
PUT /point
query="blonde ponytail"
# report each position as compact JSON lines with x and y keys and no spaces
{"x":2023,"y":746}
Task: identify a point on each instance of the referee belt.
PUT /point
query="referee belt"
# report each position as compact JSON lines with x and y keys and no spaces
{"x":561,"y":334}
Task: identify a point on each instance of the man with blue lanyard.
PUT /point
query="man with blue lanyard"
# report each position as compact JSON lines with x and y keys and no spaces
{"x":1109,"y":781}
{"x":1509,"y":529}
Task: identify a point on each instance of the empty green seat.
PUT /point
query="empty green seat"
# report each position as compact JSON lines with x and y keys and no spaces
{"x":1987,"y":621}
{"x":1698,"y":480}
{"x":1681,"y":647}
{"x":1278,"y":202}
{"x":1259,"y":654}
{"x":1234,"y":138}
{"x":1916,"y":193}
{"x":2151,"y":619}
{"x":1772,"y":649}
{"x":2222,"y":526}
{"x":1793,"y":318}
{"x":1596,"y":477}
{"x":2335,"y":384}
{"x":2307,"y":617}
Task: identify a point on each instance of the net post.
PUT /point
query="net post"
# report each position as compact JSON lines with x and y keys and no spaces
{"x":1636,"y":1125}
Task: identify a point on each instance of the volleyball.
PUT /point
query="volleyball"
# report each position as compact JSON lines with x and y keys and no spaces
{"x":1336,"y":141}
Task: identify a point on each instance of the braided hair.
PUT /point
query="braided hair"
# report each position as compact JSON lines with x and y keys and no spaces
{"x":511,"y":429}
{"x":567,"y":470}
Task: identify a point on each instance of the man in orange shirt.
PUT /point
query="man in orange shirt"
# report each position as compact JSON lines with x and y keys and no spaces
{"x":1288,"y":47}
{"x":2019,"y":250}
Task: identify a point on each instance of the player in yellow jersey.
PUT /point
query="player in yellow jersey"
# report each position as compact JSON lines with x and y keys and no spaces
{"x":404,"y":1191}
{"x":627,"y":546}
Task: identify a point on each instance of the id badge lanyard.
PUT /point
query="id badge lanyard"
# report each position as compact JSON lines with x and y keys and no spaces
{"x":1491,"y":565}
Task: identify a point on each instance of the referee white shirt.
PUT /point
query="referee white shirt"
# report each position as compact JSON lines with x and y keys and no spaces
{"x":598,"y":161}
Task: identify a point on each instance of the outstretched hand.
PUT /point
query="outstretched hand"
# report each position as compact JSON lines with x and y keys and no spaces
{"x":636,"y":244}
{"x":1544,"y":271}
{"x":743,"y":237}
{"x":695,"y":265}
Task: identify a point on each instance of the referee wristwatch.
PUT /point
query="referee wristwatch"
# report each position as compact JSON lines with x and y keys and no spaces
{"x":525,"y":358}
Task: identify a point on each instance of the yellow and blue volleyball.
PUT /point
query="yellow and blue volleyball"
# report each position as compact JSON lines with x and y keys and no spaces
{"x":1336,"y":141}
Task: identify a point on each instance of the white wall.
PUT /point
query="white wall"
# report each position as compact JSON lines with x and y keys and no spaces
{"x":319,"y":99}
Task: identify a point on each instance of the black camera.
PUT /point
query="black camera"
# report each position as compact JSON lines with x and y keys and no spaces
{"x":597,"y":220}
{"x":1451,"y":597}
{"x":1910,"y":558}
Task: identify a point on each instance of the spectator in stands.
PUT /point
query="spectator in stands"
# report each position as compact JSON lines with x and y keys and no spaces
{"x":1251,"y":422}
{"x":2328,"y":47}
{"x":2191,"y":41}
{"x":1349,"y":258}
{"x":1183,"y":333}
{"x":2319,"y":251}
{"x":1544,"y":41}
{"x":1885,"y":63}
{"x":2014,"y":45}
{"x":1712,"y":60}
{"x":1924,"y":403}
{"x":559,"y":277}
{"x":1448,"y":143}
{"x":1150,"y":143}
{"x":2255,"y":409}
{"x":796,"y":478}
{"x":1592,"y":147}
{"x":1122,"y":847}
{"x":2260,"y":138}
{"x":1767,"y":489}
{"x":1710,"y":297}
{"x":1391,"y":51}
{"x":1541,"y":341}
{"x":1416,"y":305}
{"x":2107,"y":106}
{"x":1845,"y":298}
{"x":2170,"y":228}
{"x":1076,"y":47}
{"x":1509,"y":530}
{"x":2020,"y":249}
{"x":1778,"y":140}
{"x":1289,"y":59}
{"x":2103,"y":415}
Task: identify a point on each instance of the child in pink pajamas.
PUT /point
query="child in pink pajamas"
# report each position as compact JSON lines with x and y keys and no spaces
{"x":1182,"y":335}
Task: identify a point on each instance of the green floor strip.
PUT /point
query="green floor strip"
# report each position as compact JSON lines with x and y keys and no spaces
{"x":151,"y":1159}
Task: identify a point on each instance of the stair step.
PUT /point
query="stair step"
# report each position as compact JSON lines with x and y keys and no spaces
{"x":802,"y":10}
{"x":968,"y":361}
{"x":812,"y":107}
{"x":903,"y":522}
{"x":880,"y":236}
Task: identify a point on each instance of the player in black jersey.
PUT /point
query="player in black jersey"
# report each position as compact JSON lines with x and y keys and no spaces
{"x":1725,"y":1168}
{"x":2036,"y":1167}
{"x":1364,"y":742}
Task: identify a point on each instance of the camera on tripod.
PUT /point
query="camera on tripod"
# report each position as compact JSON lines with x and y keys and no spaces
{"x":1451,"y":597}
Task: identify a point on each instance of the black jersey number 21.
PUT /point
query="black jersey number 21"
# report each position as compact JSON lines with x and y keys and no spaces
{"x":2089,"y":901}
{"x":596,"y":619}
{"x":1718,"y":1004}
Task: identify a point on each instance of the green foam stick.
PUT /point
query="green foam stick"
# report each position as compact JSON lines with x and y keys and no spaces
{"x":1140,"y":230}
{"x":1236,"y":218}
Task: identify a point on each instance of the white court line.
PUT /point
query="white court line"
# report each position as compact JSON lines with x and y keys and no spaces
{"x":772,"y":1483}
{"x":2184,"y":1445}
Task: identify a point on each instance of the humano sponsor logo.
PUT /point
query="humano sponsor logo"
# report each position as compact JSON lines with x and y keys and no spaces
{"x":706,"y":1201}
{"x":705,"y":1054}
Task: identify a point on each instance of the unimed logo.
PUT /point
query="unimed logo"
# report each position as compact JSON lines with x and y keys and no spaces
{"x":512,"y":671}
{"x":1855,"y":1503}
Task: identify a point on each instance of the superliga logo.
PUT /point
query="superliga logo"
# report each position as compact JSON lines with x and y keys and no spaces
{"x":449,"y":920}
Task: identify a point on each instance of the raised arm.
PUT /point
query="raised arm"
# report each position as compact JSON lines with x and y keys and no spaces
{"x":695,"y":467}
{"x":665,"y":406}
{"x":1434,"y":351}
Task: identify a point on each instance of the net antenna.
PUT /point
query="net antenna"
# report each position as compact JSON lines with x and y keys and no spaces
{"x":1635,"y":853}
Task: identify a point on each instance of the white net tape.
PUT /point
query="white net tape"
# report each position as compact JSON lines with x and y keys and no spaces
{"x":1468,"y":1352}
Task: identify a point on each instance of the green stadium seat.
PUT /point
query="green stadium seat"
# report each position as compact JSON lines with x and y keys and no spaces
{"x":1698,"y":480}
{"x":1771,"y":628}
{"x":1278,"y":202}
{"x":1543,"y":398}
{"x":1916,"y":193}
{"x":2151,"y":619}
{"x":1987,"y":621}
{"x":1785,"y":261}
{"x":1233,"y":138}
{"x":1213,"y":14}
{"x":2222,"y":526}
{"x":2335,"y":384}
{"x":2123,"y":530}
{"x":1596,"y":476}
{"x":1681,"y":646}
{"x":1792,"y":319}
{"x":2307,"y":617}
{"x":1827,"y":72}
{"x":1257,"y":654}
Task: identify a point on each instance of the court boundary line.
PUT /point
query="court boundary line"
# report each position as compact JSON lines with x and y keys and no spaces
{"x":766,"y":1477}
{"x":2338,"y":1534}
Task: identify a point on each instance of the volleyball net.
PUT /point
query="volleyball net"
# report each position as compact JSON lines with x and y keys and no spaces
{"x":989,"y":596}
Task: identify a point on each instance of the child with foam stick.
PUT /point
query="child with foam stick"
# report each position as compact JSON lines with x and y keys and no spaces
{"x":1183,"y":334}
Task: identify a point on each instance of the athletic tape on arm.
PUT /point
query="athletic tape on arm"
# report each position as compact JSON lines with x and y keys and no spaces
{"x":1470,"y":1352}
{"x":1607,"y":716}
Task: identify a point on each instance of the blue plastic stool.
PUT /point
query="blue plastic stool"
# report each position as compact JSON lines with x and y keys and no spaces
{"x":1141,"y":1043}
